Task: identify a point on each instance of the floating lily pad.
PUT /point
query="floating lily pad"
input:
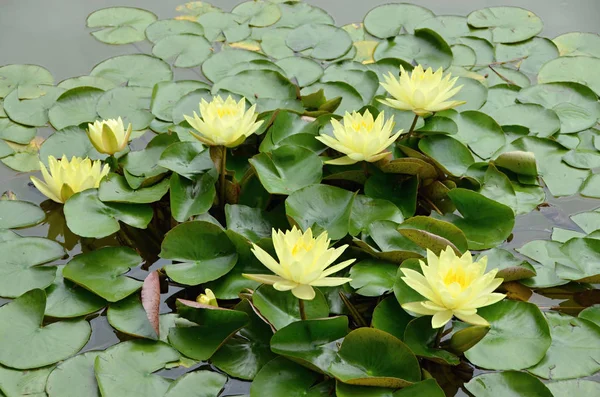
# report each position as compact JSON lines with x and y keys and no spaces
{"x":535,"y":52}
{"x":102,"y":272}
{"x":218,"y":65}
{"x":23,"y":383}
{"x":74,"y":107}
{"x":325,"y":206}
{"x":133,"y":70}
{"x":114,"y":188}
{"x":122,"y":25}
{"x":141,"y":167}
{"x":186,"y":50}
{"x":192,"y":197}
{"x":15,"y":214}
{"x":252,"y":223}
{"x":421,"y":338}
{"x":169,"y":27}
{"x":66,"y":299}
{"x":31,"y":112}
{"x":166,"y":94}
{"x":479,"y":131}
{"x":304,"y":70}
{"x":579,"y":387}
{"x":281,"y":377}
{"x":126,"y":370}
{"x":197,"y":384}
{"x":584,"y":263}
{"x":14,"y":76}
{"x":389,"y":316}
{"x":540,"y":121}
{"x":366,"y":210}
{"x":547,"y":253}
{"x":579,"y":69}
{"x":74,"y":377}
{"x":449,"y":153}
{"x":129,"y":317}
{"x":71,"y":141}
{"x":256,"y":84}
{"x":508,"y":24}
{"x":350,"y":97}
{"x":203,"y":248}
{"x":14,"y":132}
{"x":325,"y":41}
{"x":426,"y":47}
{"x":387,"y":20}
{"x":578,"y":43}
{"x":451,"y":27}
{"x":86,"y":81}
{"x":257,"y":13}
{"x":509,"y":384}
{"x":519,"y":337}
{"x":27,"y":344}
{"x":220,"y":26}
{"x":509,"y":267}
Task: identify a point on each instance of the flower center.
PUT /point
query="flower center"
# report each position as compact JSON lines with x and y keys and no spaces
{"x":459,"y":276}
{"x":302,"y":247}
{"x":226,"y":111}
{"x":362,"y":126}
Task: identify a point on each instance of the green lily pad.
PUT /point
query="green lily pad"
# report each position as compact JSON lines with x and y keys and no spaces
{"x":168,"y":27}
{"x":186,"y":50}
{"x":584,"y":263}
{"x":540,"y":121}
{"x":590,"y":187}
{"x":72,"y":141}
{"x":257,"y":13}
{"x":66,"y":299}
{"x":122,"y":25}
{"x":547,"y":254}
{"x":578,"y":387}
{"x":188,"y":159}
{"x":350,"y":97}
{"x":141,"y":167}
{"x":365,"y":82}
{"x":114,"y":188}
{"x":257,"y":84}
{"x":426,"y":47}
{"x":102,"y":272}
{"x":27,"y":344}
{"x":433,"y":234}
{"x":451,"y":27}
{"x":281,"y":308}
{"x":485,"y":222}
{"x":575,"y":349}
{"x":518,"y":338}
{"x":31,"y":112}
{"x":421,"y":338}
{"x":13,"y":132}
{"x":129,"y":317}
{"x":129,"y":103}
{"x":479,"y":131}
{"x":578,"y":43}
{"x":218,"y":65}
{"x":389,"y":316}
{"x":508,"y":24}
{"x":575,"y":104}
{"x":325,"y":41}
{"x":23,"y":383}
{"x":509,"y":267}
{"x":245,"y":353}
{"x":282,"y":377}
{"x":167,"y":93}
{"x":133,"y":70}
{"x":192,"y":197}
{"x":197,"y":384}
{"x":74,"y":377}
{"x":399,"y":190}
{"x":14,"y":76}
{"x":203,"y":248}
{"x":311,"y":343}
{"x":449,"y":153}
{"x":126,"y":369}
{"x":212,"y":327}
{"x":498,"y":187}
{"x":287,"y":169}
{"x":370,"y":357}
{"x":15,"y":214}
{"x":535,"y":52}
{"x":372,"y":277}
{"x":74,"y":107}
{"x":21,"y":270}
{"x":579,"y":69}
{"x":220,"y":26}
{"x":87,"y":216}
{"x":304,"y":70}
{"x":252,"y":223}
{"x":388,"y":20}
{"x":509,"y":384}
{"x":86,"y":81}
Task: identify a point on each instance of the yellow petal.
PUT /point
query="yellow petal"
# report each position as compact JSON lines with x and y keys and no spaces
{"x":440,"y":319}
{"x":264,"y":278}
{"x":305,"y":292}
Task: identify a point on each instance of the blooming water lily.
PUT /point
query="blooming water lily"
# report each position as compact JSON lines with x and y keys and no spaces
{"x":109,"y":136}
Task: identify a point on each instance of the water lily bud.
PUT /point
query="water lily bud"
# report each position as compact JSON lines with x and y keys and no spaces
{"x":224,"y":123}
{"x":422,"y":92}
{"x":303,"y":263}
{"x":360,"y":138}
{"x":453,"y":286}
{"x":207,"y":298}
{"x":109,"y":136}
{"x":465,"y":339}
{"x":64,"y":178}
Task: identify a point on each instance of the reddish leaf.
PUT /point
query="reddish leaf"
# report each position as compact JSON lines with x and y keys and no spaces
{"x":151,"y":299}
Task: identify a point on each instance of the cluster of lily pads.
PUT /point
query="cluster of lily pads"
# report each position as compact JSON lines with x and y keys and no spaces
{"x":318,"y":210}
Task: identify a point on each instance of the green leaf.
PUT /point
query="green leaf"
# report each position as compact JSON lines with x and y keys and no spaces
{"x":388,"y":20}
{"x":325,"y":41}
{"x":575,"y":349}
{"x":547,"y":254}
{"x":142,"y":166}
{"x":21,"y":270}
{"x":252,"y":223}
{"x":325,"y":206}
{"x":576,"y":387}
{"x":192,"y":197}
{"x":426,"y":47}
{"x":304,"y":70}
{"x":213,"y":326}
{"x":15,"y":76}
{"x":508,"y":24}
{"x":509,"y":267}
{"x":188,"y":159}
{"x":197,"y":384}
{"x":421,"y":339}
{"x":479,"y":131}
{"x":13,"y":132}
{"x":370,"y":357}
{"x":351,"y":98}
{"x":257,"y":13}
{"x":66,"y":299}
{"x":281,"y":377}
{"x":203,"y":248}
{"x":535,"y":52}
{"x":218,"y":65}
{"x":74,"y":107}
{"x":585,"y":260}
{"x":448,"y":153}
{"x":23,"y":383}
{"x":86,"y":81}
{"x":397,"y":189}
{"x":15,"y":214}
{"x":257,"y":84}
{"x":538,"y":120}
{"x":579,"y":69}
{"x":287,"y":169}
{"x":129,"y":103}
{"x":114,"y":188}
{"x":519,"y":337}
{"x":122,"y":25}
{"x":27,"y":344}
{"x":133,"y":70}
{"x":311,"y":343}
{"x":498,"y":187}
{"x":388,"y":316}
{"x":187,"y":50}
{"x":590,"y":187}
{"x":128,"y":316}
{"x":486,"y":223}
{"x":451,"y":27}
{"x":126,"y":369}
{"x":31,"y":112}
{"x":102,"y":272}
{"x":509,"y":384}
{"x":372,"y":277}
{"x":578,"y":43}
{"x":72,"y":141}
{"x":74,"y":377}
{"x":281,"y":308}
{"x":433,"y":234}
{"x":168,"y":27}
{"x":219,"y":25}
{"x":166,"y":94}
{"x":244,"y":354}
{"x":87,"y":216}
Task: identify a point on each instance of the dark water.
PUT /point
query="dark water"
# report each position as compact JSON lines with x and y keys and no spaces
{"x":53,"y":34}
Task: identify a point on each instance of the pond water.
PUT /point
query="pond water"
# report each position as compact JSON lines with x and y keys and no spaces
{"x":53,"y":35}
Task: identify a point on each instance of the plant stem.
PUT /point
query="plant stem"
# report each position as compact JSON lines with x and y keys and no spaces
{"x":302,"y":311}
{"x":412,"y":127}
{"x":438,"y":337}
{"x":222,"y":174}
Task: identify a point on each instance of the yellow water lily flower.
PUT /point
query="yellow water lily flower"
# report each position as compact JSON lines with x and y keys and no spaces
{"x":423,"y":92}
{"x":360,"y":138}
{"x":303,"y":262}
{"x":69,"y":177}
{"x":109,"y":136}
{"x":453,"y":286}
{"x":224,"y":122}
{"x":207,"y":298}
